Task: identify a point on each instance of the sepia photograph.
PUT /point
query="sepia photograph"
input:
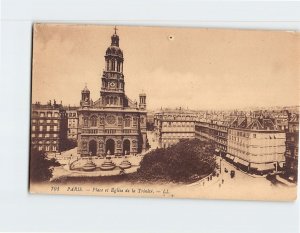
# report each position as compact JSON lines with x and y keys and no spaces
{"x":168,"y":112}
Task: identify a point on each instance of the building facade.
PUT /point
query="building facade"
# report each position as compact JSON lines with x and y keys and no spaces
{"x":48,"y":127}
{"x":292,"y":147}
{"x":72,"y":123}
{"x":256,"y":145}
{"x":114,"y":124}
{"x":212,"y":131}
{"x":173,"y":125}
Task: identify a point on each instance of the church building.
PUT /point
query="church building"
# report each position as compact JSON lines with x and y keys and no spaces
{"x":113,"y":124}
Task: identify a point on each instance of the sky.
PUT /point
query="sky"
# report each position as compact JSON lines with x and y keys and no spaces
{"x":197,"y":69}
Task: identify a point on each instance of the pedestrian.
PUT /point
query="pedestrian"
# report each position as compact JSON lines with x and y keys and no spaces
{"x":222,"y":181}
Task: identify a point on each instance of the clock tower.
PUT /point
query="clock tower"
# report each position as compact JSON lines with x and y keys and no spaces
{"x":113,"y":124}
{"x":112,"y":90}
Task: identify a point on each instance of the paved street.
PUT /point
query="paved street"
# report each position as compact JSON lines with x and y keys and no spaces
{"x":240,"y":176}
{"x":153,"y":141}
{"x":239,"y":187}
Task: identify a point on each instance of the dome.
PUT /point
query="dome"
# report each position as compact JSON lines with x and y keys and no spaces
{"x":85,"y":90}
{"x":114,"y":50}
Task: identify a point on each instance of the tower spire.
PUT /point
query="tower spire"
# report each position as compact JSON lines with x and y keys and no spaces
{"x":115,"y":38}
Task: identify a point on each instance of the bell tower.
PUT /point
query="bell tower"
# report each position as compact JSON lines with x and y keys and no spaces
{"x":142,"y":104}
{"x":112,"y":91}
{"x":85,"y":97}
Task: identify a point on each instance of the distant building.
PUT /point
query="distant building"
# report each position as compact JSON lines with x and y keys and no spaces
{"x":150,"y":120}
{"x":256,"y":145}
{"x":281,"y":120}
{"x":72,"y":123}
{"x":292,"y":147}
{"x":48,"y":127}
{"x":173,"y":125}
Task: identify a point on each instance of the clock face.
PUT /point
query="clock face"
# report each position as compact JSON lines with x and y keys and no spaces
{"x":111,"y":119}
{"x":112,"y":84}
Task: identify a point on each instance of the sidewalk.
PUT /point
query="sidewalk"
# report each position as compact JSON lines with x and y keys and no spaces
{"x":284,"y":181}
{"x":246,"y":173}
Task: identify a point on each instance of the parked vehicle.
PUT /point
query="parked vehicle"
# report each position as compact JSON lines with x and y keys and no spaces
{"x":226,"y":170}
{"x":232,"y":173}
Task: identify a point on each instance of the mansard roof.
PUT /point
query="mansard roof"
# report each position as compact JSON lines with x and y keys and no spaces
{"x":259,"y":123}
{"x":294,"y":118}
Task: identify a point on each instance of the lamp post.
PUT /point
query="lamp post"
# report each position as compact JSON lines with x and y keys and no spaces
{"x":220,"y":164}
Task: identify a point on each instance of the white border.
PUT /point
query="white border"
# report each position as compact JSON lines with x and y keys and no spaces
{"x":20,"y":211}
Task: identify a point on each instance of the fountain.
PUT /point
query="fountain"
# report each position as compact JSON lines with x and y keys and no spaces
{"x":107,"y":165}
{"x":125,"y":164}
{"x":89,"y":165}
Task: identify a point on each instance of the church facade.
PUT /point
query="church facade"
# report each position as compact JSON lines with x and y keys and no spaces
{"x":114,"y":124}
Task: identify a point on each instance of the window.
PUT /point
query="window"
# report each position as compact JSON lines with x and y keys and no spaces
{"x":127,"y":122}
{"x":33,"y":128}
{"x":94,"y":121}
{"x":134,"y":121}
{"x":113,"y":65}
{"x":55,"y":121}
{"x":49,"y":114}
{"x":48,"y":121}
{"x":55,"y":128}
{"x":41,"y":128}
{"x":41,"y":121}
{"x":42,"y":114}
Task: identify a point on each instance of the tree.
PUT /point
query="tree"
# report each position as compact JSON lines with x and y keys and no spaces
{"x":41,"y":167}
{"x":178,"y":163}
{"x":68,"y":144}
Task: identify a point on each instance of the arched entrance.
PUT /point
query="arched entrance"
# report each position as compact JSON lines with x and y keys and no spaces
{"x":126,"y":146}
{"x":93,"y":147}
{"x":110,"y":146}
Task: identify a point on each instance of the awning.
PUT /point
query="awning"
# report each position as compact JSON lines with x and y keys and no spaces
{"x":228,"y":156}
{"x":236,"y":159}
{"x":243,"y":162}
{"x":263,"y":166}
{"x":231,"y":157}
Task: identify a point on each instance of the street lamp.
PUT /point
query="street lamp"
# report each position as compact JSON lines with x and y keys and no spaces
{"x":220,"y":164}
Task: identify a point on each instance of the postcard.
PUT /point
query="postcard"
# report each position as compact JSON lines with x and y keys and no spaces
{"x":166,"y":112}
